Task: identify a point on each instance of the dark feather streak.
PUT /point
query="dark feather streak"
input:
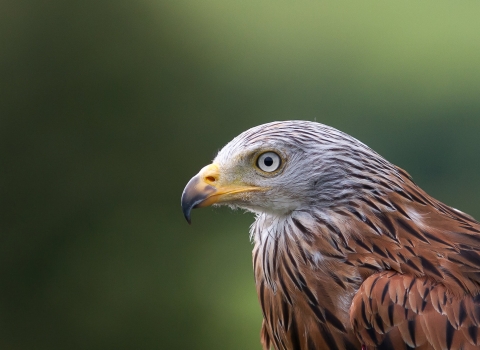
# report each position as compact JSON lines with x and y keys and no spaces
{"x":449,"y":334}
{"x":294,"y":336}
{"x":334,"y":321}
{"x":428,"y":266}
{"x":409,"y":229}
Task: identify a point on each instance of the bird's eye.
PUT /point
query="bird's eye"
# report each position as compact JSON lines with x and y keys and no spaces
{"x":269,"y":161}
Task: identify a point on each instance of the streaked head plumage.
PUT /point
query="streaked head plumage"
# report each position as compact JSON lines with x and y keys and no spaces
{"x":317,"y":162}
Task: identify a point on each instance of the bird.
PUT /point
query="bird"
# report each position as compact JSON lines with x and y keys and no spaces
{"x":348,"y":251}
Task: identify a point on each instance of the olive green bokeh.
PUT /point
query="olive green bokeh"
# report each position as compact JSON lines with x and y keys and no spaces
{"x":107,"y":108}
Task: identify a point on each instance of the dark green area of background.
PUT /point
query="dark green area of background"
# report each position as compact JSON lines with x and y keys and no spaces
{"x":107,"y":108}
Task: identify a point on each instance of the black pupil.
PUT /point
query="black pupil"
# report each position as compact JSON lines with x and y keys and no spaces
{"x":268,"y":161}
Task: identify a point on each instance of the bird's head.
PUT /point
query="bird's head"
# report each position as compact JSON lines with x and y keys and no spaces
{"x":279,"y":167}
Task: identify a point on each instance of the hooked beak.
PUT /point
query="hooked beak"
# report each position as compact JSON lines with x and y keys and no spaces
{"x":206,"y":188}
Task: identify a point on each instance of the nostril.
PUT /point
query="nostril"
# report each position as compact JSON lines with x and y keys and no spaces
{"x":210,"y":179}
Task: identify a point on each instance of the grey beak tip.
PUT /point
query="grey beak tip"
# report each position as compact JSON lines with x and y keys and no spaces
{"x":187,"y":209}
{"x":187,"y":215}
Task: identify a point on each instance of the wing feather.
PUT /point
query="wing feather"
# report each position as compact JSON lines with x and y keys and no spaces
{"x":394,"y":309}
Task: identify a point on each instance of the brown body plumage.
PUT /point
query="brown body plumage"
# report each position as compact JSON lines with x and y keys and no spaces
{"x":365,"y":258}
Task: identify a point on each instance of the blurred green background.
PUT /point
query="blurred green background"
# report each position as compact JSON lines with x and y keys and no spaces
{"x":107,"y":108}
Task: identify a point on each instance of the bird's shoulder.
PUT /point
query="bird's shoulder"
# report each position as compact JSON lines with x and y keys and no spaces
{"x":391,"y":309}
